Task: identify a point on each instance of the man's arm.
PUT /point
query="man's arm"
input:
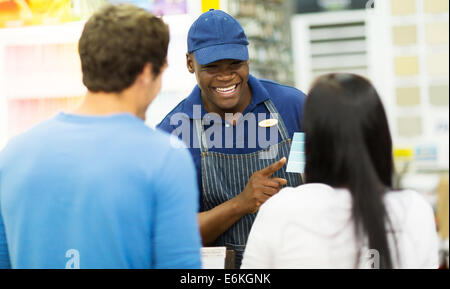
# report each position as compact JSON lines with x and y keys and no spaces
{"x":5,"y":262}
{"x":176,"y":238}
{"x":216,"y":221}
{"x":4,"y":255}
{"x":258,"y":190}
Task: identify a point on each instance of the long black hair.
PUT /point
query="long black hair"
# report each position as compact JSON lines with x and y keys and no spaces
{"x":348,"y":145}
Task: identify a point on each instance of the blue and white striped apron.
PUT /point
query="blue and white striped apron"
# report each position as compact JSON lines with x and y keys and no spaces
{"x":224,"y":176}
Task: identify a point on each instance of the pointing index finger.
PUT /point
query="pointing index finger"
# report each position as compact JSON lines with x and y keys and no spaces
{"x":271,"y":169}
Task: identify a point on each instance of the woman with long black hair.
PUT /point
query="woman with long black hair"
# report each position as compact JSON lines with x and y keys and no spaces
{"x":347,"y":215}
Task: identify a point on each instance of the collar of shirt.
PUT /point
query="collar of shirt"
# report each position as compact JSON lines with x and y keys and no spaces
{"x":259,"y":95}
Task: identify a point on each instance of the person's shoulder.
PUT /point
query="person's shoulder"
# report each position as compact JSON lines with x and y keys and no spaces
{"x":30,"y":137}
{"x":165,"y":124}
{"x":302,"y":198}
{"x":315,"y":208}
{"x":408,"y":200}
{"x":170,"y":153}
{"x":409,"y":207}
{"x":158,"y":151}
{"x":162,"y":139}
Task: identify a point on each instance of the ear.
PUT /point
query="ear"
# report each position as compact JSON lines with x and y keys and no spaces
{"x":190,"y":63}
{"x":147,"y":74}
{"x":164,"y":67}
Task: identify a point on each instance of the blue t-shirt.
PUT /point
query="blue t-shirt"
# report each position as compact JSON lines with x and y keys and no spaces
{"x":97,"y":192}
{"x":288,"y":101}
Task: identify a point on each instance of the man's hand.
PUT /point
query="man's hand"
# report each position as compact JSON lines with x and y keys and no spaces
{"x":260,"y":187}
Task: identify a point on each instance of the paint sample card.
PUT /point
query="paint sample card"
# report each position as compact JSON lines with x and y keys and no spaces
{"x":406,"y":65}
{"x":409,"y":126}
{"x":435,"y":6}
{"x":408,"y":96}
{"x":420,"y":38}
{"x":439,"y":95}
{"x":437,"y":64}
{"x":403,"y":7}
{"x":296,"y":161}
{"x":437,"y":33}
{"x":404,"y":35}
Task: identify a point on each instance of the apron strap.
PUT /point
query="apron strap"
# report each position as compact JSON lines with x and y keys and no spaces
{"x":201,"y":136}
{"x":274,"y":114}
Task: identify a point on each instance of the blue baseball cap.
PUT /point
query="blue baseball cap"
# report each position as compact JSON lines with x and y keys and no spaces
{"x":216,"y":35}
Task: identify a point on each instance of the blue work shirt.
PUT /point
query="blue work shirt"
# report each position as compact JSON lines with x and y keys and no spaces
{"x":289,"y":102}
{"x":97,"y":192}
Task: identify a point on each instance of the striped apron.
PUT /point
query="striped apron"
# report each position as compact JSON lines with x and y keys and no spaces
{"x":224,"y":176}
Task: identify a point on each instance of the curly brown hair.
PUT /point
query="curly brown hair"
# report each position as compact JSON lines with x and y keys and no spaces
{"x":117,"y":42}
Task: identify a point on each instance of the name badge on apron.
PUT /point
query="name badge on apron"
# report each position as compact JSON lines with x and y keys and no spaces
{"x":268,"y":122}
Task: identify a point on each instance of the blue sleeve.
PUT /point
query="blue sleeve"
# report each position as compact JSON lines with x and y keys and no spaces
{"x":176,"y":236}
{"x":302,"y":105}
{"x":165,"y":125}
{"x":4,"y":255}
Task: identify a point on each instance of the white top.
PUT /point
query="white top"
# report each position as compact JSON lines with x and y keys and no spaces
{"x":311,"y":227}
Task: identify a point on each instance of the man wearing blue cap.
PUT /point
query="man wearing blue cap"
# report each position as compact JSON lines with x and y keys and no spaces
{"x":235,"y":174}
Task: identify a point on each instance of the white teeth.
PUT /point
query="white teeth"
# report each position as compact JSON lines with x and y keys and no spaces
{"x":226,"y":89}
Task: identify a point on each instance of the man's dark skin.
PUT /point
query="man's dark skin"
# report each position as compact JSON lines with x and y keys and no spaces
{"x":213,"y":79}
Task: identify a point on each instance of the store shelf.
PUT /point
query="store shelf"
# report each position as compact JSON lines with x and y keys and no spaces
{"x":268,"y":31}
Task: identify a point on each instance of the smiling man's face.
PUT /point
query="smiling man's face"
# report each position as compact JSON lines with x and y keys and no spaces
{"x":224,"y":84}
